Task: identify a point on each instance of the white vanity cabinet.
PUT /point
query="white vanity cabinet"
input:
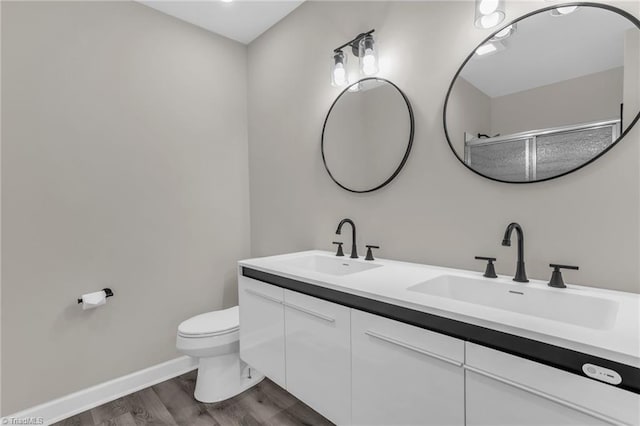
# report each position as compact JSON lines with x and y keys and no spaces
{"x":262,"y":328}
{"x":502,"y":389}
{"x":318,"y":355}
{"x":404,"y":375}
{"x":362,"y":369}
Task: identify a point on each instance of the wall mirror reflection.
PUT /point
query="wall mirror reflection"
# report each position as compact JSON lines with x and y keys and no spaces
{"x":547,"y":94}
{"x":367,"y":135}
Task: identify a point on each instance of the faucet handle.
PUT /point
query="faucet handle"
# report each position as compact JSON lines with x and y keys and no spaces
{"x":340,"y":252}
{"x":370,"y":253}
{"x":556,"y":276}
{"x":490,"y":272}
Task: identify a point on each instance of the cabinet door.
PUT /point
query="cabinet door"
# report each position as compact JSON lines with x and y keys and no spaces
{"x":319,"y":355}
{"x":262,"y":328}
{"x":404,"y":375}
{"x":503,"y":389}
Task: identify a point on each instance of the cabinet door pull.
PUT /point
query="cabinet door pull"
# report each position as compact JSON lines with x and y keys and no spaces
{"x":263,"y":296}
{"x":548,"y":397}
{"x":412,"y":348}
{"x":309,"y":312}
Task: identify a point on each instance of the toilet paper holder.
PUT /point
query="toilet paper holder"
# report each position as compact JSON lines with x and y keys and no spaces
{"x":107,"y":291}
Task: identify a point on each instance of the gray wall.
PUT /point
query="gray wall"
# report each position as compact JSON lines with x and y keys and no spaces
{"x":436,"y":211}
{"x":469,"y":113}
{"x":631,"y":75}
{"x":583,"y":99}
{"x":124,"y":164}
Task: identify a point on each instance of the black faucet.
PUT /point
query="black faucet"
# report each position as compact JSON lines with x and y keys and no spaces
{"x":521,"y":275}
{"x":354,"y":250}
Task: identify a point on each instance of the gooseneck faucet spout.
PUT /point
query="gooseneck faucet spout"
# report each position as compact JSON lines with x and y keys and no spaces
{"x":354,"y":250}
{"x":521,"y":275}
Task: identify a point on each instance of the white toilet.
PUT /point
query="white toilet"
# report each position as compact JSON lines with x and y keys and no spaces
{"x":214,"y":338}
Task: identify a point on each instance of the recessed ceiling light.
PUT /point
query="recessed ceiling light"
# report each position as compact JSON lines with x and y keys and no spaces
{"x":490,"y":48}
{"x":486,"y":49}
{"x":562,"y":11}
{"x":226,"y":1}
{"x":505,"y":32}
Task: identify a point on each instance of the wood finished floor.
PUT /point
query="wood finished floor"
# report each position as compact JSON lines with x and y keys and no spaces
{"x":172,"y":403}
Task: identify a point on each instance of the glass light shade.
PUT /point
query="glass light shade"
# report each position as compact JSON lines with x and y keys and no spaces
{"x":489,"y":13}
{"x":487,"y":7}
{"x":339,"y":69}
{"x":368,"y":53}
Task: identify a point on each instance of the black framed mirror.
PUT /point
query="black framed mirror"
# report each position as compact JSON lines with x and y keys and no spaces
{"x":367,"y":135}
{"x":546,"y":94}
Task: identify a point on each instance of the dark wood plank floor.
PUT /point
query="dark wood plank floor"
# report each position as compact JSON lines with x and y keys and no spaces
{"x":172,"y":403}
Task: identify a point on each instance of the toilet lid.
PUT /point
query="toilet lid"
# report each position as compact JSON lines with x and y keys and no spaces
{"x":211,"y":323}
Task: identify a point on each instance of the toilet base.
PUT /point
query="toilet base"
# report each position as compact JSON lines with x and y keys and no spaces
{"x":224,"y":376}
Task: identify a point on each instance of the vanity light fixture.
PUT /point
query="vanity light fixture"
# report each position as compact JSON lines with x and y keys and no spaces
{"x":368,"y":54}
{"x":339,"y":69}
{"x":489,"y":13}
{"x":362,"y":46}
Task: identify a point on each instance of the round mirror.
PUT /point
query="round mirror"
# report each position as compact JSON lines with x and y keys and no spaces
{"x":547,"y":94}
{"x":367,"y":135}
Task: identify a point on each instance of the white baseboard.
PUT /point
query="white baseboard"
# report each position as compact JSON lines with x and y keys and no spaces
{"x":77,"y":402}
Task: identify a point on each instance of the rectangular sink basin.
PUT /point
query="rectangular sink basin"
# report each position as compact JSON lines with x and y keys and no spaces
{"x":329,"y":265}
{"x":582,"y":310}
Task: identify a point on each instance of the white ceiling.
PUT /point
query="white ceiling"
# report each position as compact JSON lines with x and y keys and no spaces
{"x":547,"y":49}
{"x":240,"y":20}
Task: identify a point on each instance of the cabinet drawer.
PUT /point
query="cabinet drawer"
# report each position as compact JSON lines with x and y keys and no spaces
{"x":428,"y":343}
{"x":261,"y":290}
{"x":404,"y":375}
{"x":320,"y":309}
{"x":570,"y":390}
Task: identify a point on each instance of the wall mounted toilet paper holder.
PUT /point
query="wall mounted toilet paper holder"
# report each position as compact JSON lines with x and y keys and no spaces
{"x":107,"y":291}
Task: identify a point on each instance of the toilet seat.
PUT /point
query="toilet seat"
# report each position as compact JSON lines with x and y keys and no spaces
{"x":211,"y":324}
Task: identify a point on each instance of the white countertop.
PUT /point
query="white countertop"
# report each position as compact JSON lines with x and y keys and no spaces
{"x":620,"y":343}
